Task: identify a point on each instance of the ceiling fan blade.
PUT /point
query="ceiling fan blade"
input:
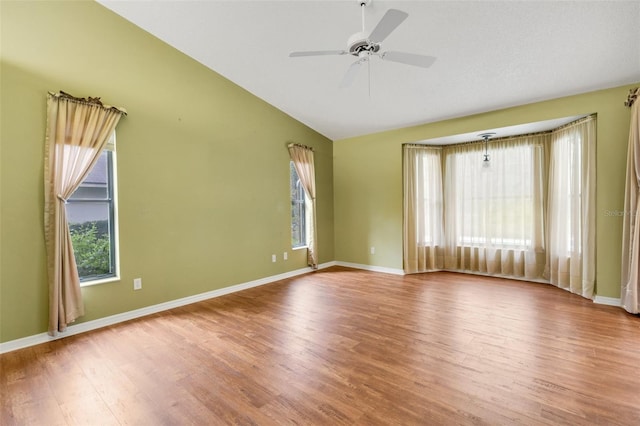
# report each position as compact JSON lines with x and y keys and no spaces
{"x":348,"y":78}
{"x":387,"y":24}
{"x":422,"y":61}
{"x":317,"y":53}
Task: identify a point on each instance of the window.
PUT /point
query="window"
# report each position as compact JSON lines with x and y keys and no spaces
{"x":496,"y":208}
{"x":427,"y":193}
{"x":298,"y":210}
{"x":529,"y":214}
{"x":91,"y":215}
{"x":567,"y":170}
{"x":573,"y":231}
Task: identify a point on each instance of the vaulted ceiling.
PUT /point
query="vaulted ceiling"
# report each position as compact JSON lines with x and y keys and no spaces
{"x":490,"y":55}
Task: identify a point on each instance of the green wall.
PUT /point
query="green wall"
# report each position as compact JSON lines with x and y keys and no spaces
{"x":368,"y":179}
{"x":203,"y":169}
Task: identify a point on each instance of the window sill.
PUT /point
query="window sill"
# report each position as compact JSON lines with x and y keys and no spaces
{"x":496,"y":247}
{"x":100,"y":281}
{"x":300,"y":248}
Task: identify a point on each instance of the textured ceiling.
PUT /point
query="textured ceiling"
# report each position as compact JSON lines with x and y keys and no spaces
{"x":491,"y":55}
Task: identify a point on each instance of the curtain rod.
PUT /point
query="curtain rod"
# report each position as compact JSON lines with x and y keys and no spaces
{"x":633,"y":95}
{"x":504,"y":138}
{"x":578,"y":121}
{"x":299,"y":146}
{"x":422,"y":145}
{"x":87,"y":101}
{"x":481,"y":141}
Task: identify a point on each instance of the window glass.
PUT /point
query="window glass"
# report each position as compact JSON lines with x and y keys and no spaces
{"x":91,"y":218}
{"x":298,"y":209}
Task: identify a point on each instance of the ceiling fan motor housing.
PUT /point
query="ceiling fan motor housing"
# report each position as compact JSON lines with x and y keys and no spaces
{"x":359,"y":42}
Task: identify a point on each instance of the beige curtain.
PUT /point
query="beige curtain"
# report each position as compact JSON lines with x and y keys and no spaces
{"x":571,"y":238}
{"x":630,"y":290}
{"x":302,"y":157}
{"x":494,"y":217}
{"x":77,"y":131}
{"x":423,"y":225}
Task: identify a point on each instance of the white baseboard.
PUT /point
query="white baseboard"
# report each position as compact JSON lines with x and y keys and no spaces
{"x":37,"y":339}
{"x":371,"y":268}
{"x":611,"y":301}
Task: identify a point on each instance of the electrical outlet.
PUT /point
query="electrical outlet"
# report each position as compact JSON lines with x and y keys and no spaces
{"x":373,"y":250}
{"x":137,"y":283}
{"x":273,"y":258}
{"x":285,"y":256}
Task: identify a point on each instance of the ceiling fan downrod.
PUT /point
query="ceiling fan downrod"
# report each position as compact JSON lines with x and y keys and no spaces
{"x":363,"y":4}
{"x":359,"y":44}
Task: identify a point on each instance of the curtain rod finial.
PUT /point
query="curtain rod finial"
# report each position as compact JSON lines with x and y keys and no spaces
{"x":633,"y":95}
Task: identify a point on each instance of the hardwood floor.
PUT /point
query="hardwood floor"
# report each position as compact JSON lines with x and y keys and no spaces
{"x":342,"y":346}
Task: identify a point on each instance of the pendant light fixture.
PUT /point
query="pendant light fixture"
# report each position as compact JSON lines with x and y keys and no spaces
{"x":486,"y":136}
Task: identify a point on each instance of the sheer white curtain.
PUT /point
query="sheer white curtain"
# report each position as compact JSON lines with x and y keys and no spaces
{"x":630,"y":291}
{"x":423,"y":233}
{"x":571,"y":213}
{"x":494,"y":217}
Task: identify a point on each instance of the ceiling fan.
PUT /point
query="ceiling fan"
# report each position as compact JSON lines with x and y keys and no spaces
{"x":364,"y":45}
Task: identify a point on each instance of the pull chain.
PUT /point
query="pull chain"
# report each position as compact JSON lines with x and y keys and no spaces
{"x":369,"y":72}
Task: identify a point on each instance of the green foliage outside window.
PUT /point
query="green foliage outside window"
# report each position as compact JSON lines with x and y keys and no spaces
{"x":91,"y":247}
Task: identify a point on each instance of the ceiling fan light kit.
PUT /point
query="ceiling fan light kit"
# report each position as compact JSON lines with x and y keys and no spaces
{"x":363,"y":45}
{"x":485,"y":162}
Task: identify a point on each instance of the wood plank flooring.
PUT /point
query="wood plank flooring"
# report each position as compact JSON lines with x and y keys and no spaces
{"x":341,"y":347}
